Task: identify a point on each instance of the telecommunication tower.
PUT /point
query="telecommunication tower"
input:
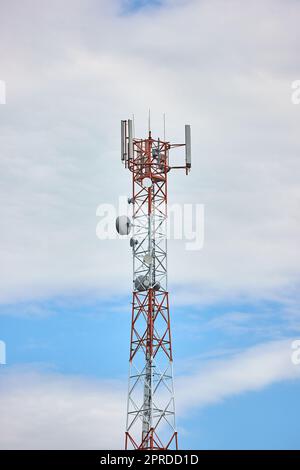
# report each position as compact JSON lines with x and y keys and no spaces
{"x":150,"y":408}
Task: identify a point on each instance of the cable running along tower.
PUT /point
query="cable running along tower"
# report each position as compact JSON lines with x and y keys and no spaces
{"x":150,"y":408}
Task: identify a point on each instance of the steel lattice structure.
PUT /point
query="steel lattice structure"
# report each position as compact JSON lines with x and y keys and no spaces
{"x":151,"y":407}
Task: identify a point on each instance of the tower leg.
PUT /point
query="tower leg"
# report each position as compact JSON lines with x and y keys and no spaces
{"x":150,"y":394}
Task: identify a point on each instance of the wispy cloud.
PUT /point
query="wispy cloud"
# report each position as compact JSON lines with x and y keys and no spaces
{"x":248,"y":370}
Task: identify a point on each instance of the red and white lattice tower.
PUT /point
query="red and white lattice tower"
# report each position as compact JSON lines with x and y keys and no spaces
{"x":150,"y":408}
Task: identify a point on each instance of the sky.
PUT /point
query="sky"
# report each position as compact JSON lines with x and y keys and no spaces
{"x":73,"y":70}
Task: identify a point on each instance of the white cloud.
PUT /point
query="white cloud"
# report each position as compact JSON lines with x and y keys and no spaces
{"x":74,"y":69}
{"x":48,"y":411}
{"x":249,"y":370}
{"x":42,"y":410}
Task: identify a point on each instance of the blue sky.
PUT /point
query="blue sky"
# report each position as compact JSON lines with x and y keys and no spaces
{"x":90,"y":339}
{"x":136,"y":5}
{"x":264,"y":420}
{"x":74,"y":335}
{"x":65,"y":294}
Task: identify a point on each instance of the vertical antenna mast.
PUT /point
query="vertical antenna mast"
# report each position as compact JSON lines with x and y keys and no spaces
{"x":149,"y":122}
{"x":133,"y":125}
{"x":150,"y":407}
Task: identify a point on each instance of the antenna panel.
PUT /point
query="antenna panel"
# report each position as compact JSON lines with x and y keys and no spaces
{"x":188,"y":146}
{"x":130,"y":139}
{"x":123,"y":141}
